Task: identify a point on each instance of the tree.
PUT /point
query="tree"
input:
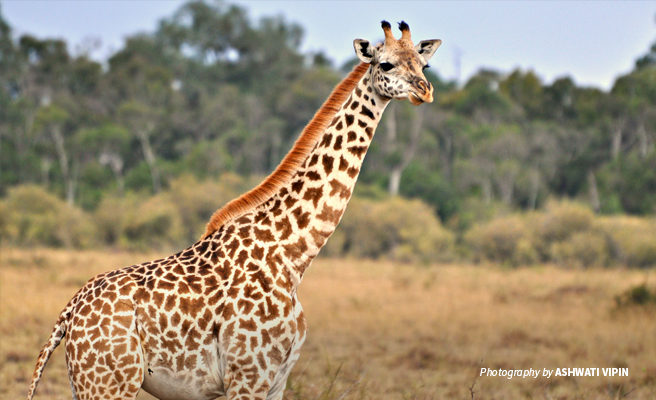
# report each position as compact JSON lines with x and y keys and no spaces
{"x":141,"y":121}
{"x":52,"y":121}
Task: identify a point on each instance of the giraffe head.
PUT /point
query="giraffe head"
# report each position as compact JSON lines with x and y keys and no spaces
{"x":397,"y":65}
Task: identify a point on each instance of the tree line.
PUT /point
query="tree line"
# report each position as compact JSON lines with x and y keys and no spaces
{"x":212,"y":92}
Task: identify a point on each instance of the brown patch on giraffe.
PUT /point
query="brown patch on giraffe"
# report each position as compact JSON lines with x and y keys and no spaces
{"x":195,"y":283}
{"x":313,"y":175}
{"x":353,"y":172}
{"x":348,"y":101}
{"x":290,"y":201}
{"x":241,"y":258}
{"x":302,"y":218}
{"x":170,"y":304}
{"x":261,"y":361}
{"x":110,"y":295}
{"x":313,"y":160}
{"x":228,"y":312}
{"x":269,"y":313}
{"x":284,"y":227}
{"x":295,"y":250}
{"x":252,"y":292}
{"x":262,"y":218}
{"x":205,"y":320}
{"x":338,"y":143}
{"x":343,"y":164}
{"x":330,"y":214}
{"x":124,"y":321}
{"x":349,"y":118}
{"x":366,"y":112}
{"x":264,"y":281}
{"x":191,"y":306}
{"x":326,"y":140}
{"x":358,"y":150}
{"x":327,"y":162}
{"x":248,"y":324}
{"x":258,"y":252}
{"x":370,"y":132}
{"x":314,"y":195}
{"x":338,"y":188}
{"x":297,"y":186}
{"x":192,"y":342}
{"x":224,"y":270}
{"x":232,"y":247}
{"x":263,"y":235}
{"x":178,"y":270}
{"x":339,"y":126}
{"x":163,"y":322}
{"x":245,"y":306}
{"x":211,"y":284}
{"x":243,"y":220}
{"x":351,"y":136}
{"x":319,"y":237}
{"x":244,"y":232}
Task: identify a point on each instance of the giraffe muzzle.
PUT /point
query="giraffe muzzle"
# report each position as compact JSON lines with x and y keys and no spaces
{"x":422,"y":92}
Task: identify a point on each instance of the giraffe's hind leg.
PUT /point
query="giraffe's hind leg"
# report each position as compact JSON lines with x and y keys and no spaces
{"x":104,"y":355}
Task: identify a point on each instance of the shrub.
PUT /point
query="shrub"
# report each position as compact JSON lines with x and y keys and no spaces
{"x":155,"y":223}
{"x":640,"y":295}
{"x":633,"y":240}
{"x":112,"y":216}
{"x":563,"y":219}
{"x":504,"y":239}
{"x":33,"y":216}
{"x":583,"y":249}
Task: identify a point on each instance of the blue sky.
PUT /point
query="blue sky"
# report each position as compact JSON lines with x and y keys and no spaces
{"x":591,"y":41}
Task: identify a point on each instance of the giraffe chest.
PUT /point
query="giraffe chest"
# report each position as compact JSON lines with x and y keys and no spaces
{"x":212,"y":310}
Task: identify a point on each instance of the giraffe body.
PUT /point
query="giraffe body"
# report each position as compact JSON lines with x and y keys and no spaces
{"x":222,"y":317}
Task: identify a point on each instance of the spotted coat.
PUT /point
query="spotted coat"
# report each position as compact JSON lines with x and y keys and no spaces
{"x":222,"y":317}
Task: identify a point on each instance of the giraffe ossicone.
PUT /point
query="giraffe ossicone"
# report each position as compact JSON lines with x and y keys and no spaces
{"x":222,"y":317}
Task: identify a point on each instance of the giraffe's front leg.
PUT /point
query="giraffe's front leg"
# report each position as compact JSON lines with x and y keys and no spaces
{"x":259,"y":360}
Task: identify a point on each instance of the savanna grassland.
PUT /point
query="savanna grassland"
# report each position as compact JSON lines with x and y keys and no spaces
{"x":380,"y":330}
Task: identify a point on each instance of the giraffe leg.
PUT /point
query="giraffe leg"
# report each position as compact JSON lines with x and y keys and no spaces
{"x":104,"y":355}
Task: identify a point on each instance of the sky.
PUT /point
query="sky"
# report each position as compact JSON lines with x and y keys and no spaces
{"x":591,"y":41}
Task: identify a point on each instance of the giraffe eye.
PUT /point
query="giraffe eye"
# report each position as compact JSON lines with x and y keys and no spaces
{"x":386,"y":66}
{"x":425,"y":66}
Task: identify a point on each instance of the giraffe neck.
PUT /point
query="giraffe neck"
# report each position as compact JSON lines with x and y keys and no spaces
{"x":306,"y":211}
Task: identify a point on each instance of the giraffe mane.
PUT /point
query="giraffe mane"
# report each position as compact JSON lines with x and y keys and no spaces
{"x":294,"y":159}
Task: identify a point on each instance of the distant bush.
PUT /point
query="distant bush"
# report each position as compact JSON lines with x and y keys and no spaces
{"x":155,"y":223}
{"x":583,"y":249}
{"x":33,"y":216}
{"x":504,"y":239}
{"x":112,"y":216}
{"x":640,"y":295}
{"x":563,"y":219}
{"x":632,"y":239}
{"x":565,"y":233}
{"x":404,"y":230}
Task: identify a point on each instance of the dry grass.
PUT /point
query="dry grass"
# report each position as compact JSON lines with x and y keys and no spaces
{"x":383,"y":330}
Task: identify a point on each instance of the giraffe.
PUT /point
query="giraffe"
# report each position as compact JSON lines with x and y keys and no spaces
{"x":222,"y":317}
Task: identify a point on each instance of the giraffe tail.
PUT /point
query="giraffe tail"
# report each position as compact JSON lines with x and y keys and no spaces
{"x":58,"y":333}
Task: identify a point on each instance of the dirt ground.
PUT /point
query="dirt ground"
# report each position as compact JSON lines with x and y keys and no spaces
{"x":380,"y":330}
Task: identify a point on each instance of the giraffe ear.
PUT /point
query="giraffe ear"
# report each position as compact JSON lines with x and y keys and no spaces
{"x":426,"y":48}
{"x":364,"y":50}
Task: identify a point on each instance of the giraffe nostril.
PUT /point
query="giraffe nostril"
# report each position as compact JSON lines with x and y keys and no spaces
{"x":424,"y":86}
